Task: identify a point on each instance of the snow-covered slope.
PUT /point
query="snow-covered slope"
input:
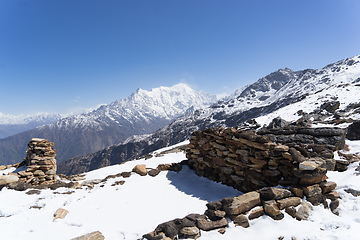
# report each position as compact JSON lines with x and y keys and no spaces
{"x":130,"y":210}
{"x":11,"y":124}
{"x":141,"y":113}
{"x":265,"y":96}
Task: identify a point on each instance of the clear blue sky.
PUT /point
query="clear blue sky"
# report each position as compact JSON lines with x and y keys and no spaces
{"x":60,"y":55}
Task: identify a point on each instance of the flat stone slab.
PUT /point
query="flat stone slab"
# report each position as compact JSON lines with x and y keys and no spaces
{"x":243,"y":203}
{"x":8,"y":179}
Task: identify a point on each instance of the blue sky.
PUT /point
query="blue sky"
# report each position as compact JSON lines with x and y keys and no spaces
{"x":64,"y":55}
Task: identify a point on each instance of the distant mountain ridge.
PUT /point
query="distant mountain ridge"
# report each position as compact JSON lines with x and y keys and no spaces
{"x":10,"y":124}
{"x":268,"y":94}
{"x":141,"y":113}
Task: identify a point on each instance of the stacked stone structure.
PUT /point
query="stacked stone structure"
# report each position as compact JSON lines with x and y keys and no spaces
{"x":40,"y":162}
{"x":248,"y":161}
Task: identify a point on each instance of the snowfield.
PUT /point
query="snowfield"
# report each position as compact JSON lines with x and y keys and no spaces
{"x":130,"y":210}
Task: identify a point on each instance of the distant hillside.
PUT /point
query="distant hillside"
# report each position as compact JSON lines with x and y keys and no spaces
{"x":11,"y":125}
{"x":141,"y":113}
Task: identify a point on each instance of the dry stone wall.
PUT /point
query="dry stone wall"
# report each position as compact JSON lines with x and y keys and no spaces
{"x":248,"y":161}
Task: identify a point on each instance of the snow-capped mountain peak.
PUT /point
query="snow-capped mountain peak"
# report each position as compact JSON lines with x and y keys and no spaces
{"x":141,"y":113}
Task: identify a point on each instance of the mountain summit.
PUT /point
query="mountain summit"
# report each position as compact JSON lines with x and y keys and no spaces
{"x":141,"y":113}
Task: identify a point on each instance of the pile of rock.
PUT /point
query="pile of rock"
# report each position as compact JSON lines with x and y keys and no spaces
{"x":40,"y":162}
{"x":244,"y":208}
{"x":248,"y":161}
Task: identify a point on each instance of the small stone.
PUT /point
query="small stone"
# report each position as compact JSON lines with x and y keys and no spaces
{"x":216,"y":205}
{"x":304,"y":211}
{"x":153,"y":172}
{"x":222,"y":230}
{"x":334,"y":204}
{"x":308,"y":166}
{"x":205,"y":225}
{"x":327,"y":187}
{"x":297,"y":191}
{"x":288,"y":202}
{"x":313,"y":190}
{"x":317,"y":200}
{"x":5,"y":179}
{"x":25,"y":174}
{"x":91,"y":236}
{"x":189,"y":232}
{"x":140,"y":169}
{"x":274,"y":193}
{"x":271,"y":208}
{"x":60,"y":213}
{"x":353,"y":192}
{"x":126,"y":174}
{"x":215,"y":215}
{"x":281,"y":148}
{"x":18,"y":186}
{"x":313,"y":180}
{"x":291,"y":211}
{"x":332,"y":195}
{"x":243,"y":203}
{"x":164,"y":167}
{"x":39,"y":173}
{"x":256,"y":213}
{"x":242,"y":221}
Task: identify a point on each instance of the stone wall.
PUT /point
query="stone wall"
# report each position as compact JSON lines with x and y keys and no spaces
{"x":248,"y":161}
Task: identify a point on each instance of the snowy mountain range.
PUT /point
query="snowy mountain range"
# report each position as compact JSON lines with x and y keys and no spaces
{"x":11,"y":124}
{"x":274,"y":91}
{"x":141,"y":113}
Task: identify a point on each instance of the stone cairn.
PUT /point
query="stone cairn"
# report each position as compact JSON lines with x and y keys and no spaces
{"x":40,"y":161}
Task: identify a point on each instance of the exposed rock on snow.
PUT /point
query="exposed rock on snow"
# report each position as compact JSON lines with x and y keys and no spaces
{"x":353,"y":131}
{"x":60,"y":214}
{"x":91,"y":236}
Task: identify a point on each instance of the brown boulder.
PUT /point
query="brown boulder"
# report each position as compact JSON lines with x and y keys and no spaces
{"x":140,"y":169}
{"x":288,"y":202}
{"x":327,"y":187}
{"x":242,"y":221}
{"x":205,"y":225}
{"x":271,"y":208}
{"x":270,"y":193}
{"x":312,"y":190}
{"x":243,"y":203}
{"x":256,"y":213}
{"x":60,"y":213}
{"x":91,"y":236}
{"x":189,"y":232}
